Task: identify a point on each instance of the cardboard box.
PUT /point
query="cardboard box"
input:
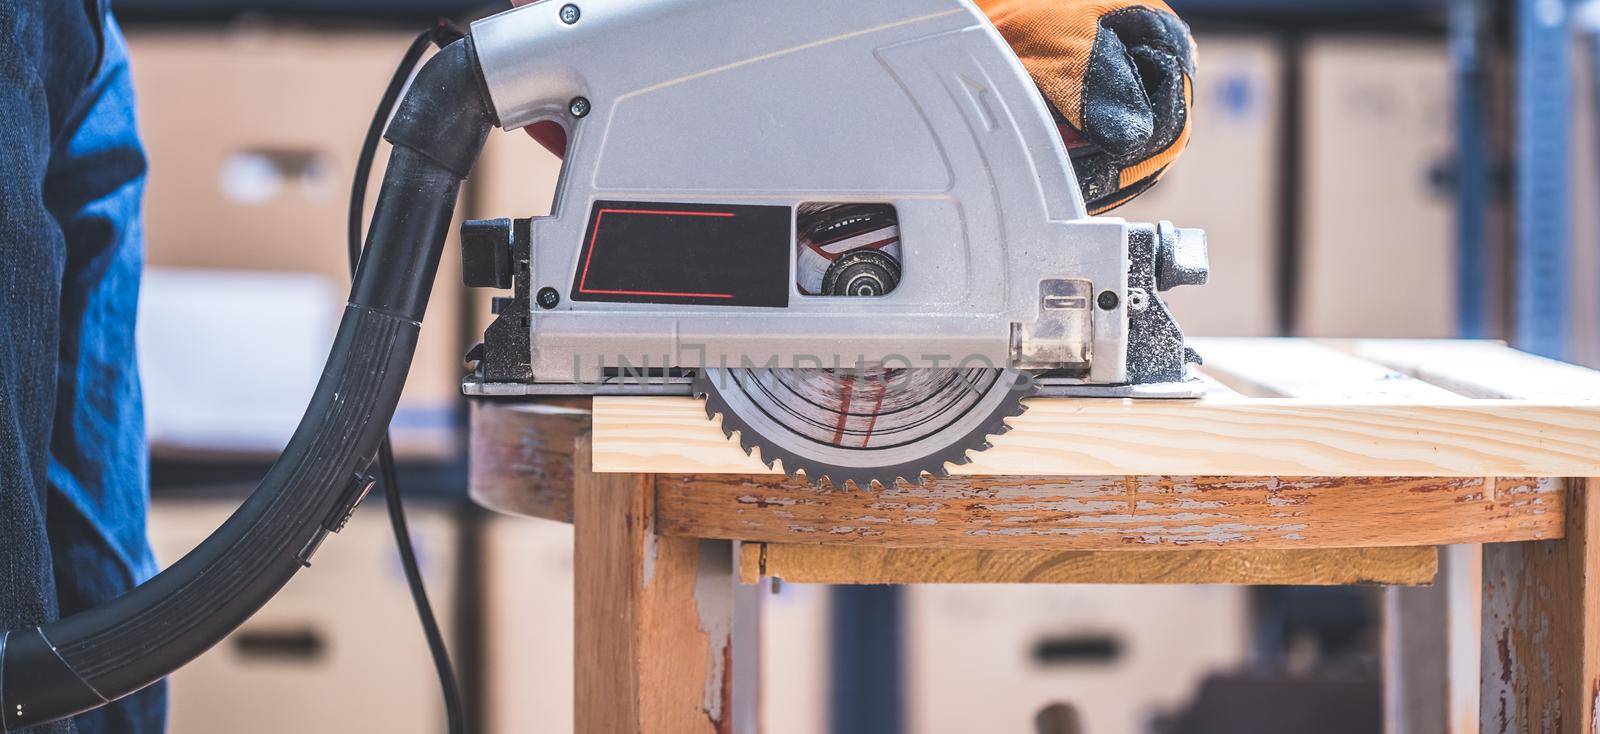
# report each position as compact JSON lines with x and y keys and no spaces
{"x":990,"y":658}
{"x":1227,"y":183}
{"x":1377,"y":250}
{"x":229,"y":358}
{"x":528,"y":615}
{"x":338,"y":649}
{"x":252,"y":136}
{"x":796,"y":665}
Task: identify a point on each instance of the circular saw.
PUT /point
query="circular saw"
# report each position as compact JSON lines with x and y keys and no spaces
{"x":855,"y":233}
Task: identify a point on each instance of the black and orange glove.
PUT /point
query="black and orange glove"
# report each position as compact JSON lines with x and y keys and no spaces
{"x":1117,"y":76}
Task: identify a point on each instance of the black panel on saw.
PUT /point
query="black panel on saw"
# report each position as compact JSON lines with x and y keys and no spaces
{"x":701,"y":254}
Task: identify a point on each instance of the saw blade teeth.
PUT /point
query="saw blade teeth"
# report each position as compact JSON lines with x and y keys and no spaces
{"x":802,"y":461}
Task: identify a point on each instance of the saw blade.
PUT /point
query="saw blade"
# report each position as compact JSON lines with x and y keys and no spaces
{"x":864,"y":425}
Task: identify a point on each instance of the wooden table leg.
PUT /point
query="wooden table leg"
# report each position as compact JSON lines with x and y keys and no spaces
{"x":1541,"y":626}
{"x":654,"y":615}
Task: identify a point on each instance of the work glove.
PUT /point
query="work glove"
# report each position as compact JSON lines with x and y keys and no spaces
{"x":1117,"y":77}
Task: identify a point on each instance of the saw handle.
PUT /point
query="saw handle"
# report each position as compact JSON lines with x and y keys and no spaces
{"x":109,"y":651}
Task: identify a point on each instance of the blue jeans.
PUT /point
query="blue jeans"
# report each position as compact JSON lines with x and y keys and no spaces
{"x":74,"y":470}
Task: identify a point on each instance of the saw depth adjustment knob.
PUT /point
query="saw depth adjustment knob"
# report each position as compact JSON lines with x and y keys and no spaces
{"x":1181,"y":257}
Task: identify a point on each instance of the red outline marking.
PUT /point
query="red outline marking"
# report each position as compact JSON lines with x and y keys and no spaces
{"x":877,"y":405}
{"x":848,"y":387}
{"x":834,"y":257}
{"x":583,"y":279}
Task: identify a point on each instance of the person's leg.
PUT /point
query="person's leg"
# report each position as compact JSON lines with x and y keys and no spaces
{"x":99,"y":467}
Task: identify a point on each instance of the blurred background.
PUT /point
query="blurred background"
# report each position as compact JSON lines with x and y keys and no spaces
{"x":1378,"y":168}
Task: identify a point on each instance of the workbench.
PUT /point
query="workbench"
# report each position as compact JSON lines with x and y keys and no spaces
{"x":1334,"y":462}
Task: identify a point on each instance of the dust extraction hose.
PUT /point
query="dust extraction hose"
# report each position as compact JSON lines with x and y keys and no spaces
{"x":102,"y":654}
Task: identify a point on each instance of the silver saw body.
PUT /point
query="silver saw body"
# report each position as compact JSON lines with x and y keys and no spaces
{"x":785,"y":207}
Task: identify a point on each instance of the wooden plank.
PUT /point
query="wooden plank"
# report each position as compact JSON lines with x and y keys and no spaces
{"x":1300,"y":368}
{"x":1430,"y":649}
{"x":519,"y":455}
{"x":1216,"y":389}
{"x":836,"y":564}
{"x":1257,"y":438}
{"x":653,"y":616}
{"x":1114,"y":513}
{"x":1482,"y":369}
{"x":1541,"y":626}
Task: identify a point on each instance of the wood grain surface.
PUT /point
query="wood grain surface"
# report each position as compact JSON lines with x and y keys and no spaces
{"x":1334,"y":415}
{"x":1115,"y":513}
{"x":1541,"y":627}
{"x":1300,"y":368}
{"x":1480,"y":369}
{"x":1261,"y":437}
{"x":830,"y":564}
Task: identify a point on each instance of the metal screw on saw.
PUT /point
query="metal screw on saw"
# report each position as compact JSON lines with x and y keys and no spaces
{"x":549,"y":298}
{"x":1108,"y":300}
{"x":579,"y":107}
{"x":1138,"y":299}
{"x":570,"y":14}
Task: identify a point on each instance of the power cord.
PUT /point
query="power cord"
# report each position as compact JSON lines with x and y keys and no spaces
{"x":442,"y":34}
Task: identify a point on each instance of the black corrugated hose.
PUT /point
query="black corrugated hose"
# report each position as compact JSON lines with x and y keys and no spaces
{"x":441,"y":35}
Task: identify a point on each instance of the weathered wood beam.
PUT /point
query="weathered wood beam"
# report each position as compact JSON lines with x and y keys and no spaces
{"x":1115,"y":513}
{"x":1541,"y":626}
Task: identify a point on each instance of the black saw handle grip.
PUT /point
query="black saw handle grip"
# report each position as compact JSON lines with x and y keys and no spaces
{"x":107,"y":652}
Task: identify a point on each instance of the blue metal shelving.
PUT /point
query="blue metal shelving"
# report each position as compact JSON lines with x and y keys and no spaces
{"x":1543,"y":132}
